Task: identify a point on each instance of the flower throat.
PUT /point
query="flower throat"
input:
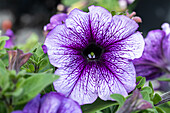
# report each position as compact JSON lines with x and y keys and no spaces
{"x":92,"y":52}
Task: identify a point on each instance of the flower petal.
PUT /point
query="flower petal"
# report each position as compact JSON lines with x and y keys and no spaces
{"x":130,"y":48}
{"x":69,"y":106}
{"x":51,"y":103}
{"x":100,"y":20}
{"x":17,"y":111}
{"x":61,"y":47}
{"x":78,"y":81}
{"x":61,"y":36}
{"x":120,"y":28}
{"x":166,"y":48}
{"x":153,"y":44}
{"x":33,"y":105}
{"x":117,"y":75}
{"x":147,"y":69}
{"x":78,"y":22}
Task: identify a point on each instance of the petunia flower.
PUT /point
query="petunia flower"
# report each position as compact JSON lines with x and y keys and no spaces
{"x":93,"y":53}
{"x":51,"y":103}
{"x":155,"y":60}
{"x":55,"y":20}
{"x":10,"y":42}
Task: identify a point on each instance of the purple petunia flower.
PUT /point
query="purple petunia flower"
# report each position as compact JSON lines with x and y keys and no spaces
{"x":51,"y":103}
{"x":93,"y":53}
{"x":55,"y":20}
{"x":155,"y":60}
{"x":10,"y":42}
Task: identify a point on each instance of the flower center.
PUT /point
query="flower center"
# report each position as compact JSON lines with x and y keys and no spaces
{"x":92,"y":52}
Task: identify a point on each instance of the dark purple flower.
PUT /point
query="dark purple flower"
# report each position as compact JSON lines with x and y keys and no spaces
{"x":55,"y":20}
{"x":155,"y":60}
{"x":10,"y":42}
{"x":93,"y":53}
{"x":51,"y":103}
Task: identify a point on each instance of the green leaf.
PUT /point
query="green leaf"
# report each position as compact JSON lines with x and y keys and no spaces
{"x":138,"y":78}
{"x":141,"y":82}
{"x":97,"y":105}
{"x":164,"y":79}
{"x":113,"y":13}
{"x":37,"y":49}
{"x":43,"y":64}
{"x":147,"y":89}
{"x":2,"y":107}
{"x":4,"y":77}
{"x":160,"y":110}
{"x":119,"y":98}
{"x":150,"y":85}
{"x":2,"y":52}
{"x":2,"y":43}
{"x":145,"y":95}
{"x":4,"y":38}
{"x":33,"y":85}
{"x":157,"y":98}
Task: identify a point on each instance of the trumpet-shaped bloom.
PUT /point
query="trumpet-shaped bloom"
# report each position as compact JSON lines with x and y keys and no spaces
{"x":93,"y":53}
{"x":155,"y":60}
{"x":51,"y":103}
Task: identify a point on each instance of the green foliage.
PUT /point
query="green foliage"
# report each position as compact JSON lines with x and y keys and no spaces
{"x":164,"y":79}
{"x":39,"y":61}
{"x":141,"y":81}
{"x":97,"y":106}
{"x":4,"y":78}
{"x":69,"y":2}
{"x":2,"y":44}
{"x":2,"y":107}
{"x":157,"y":98}
{"x":119,"y":98}
{"x":110,"y":5}
{"x":159,"y":110}
{"x":32,"y":86}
